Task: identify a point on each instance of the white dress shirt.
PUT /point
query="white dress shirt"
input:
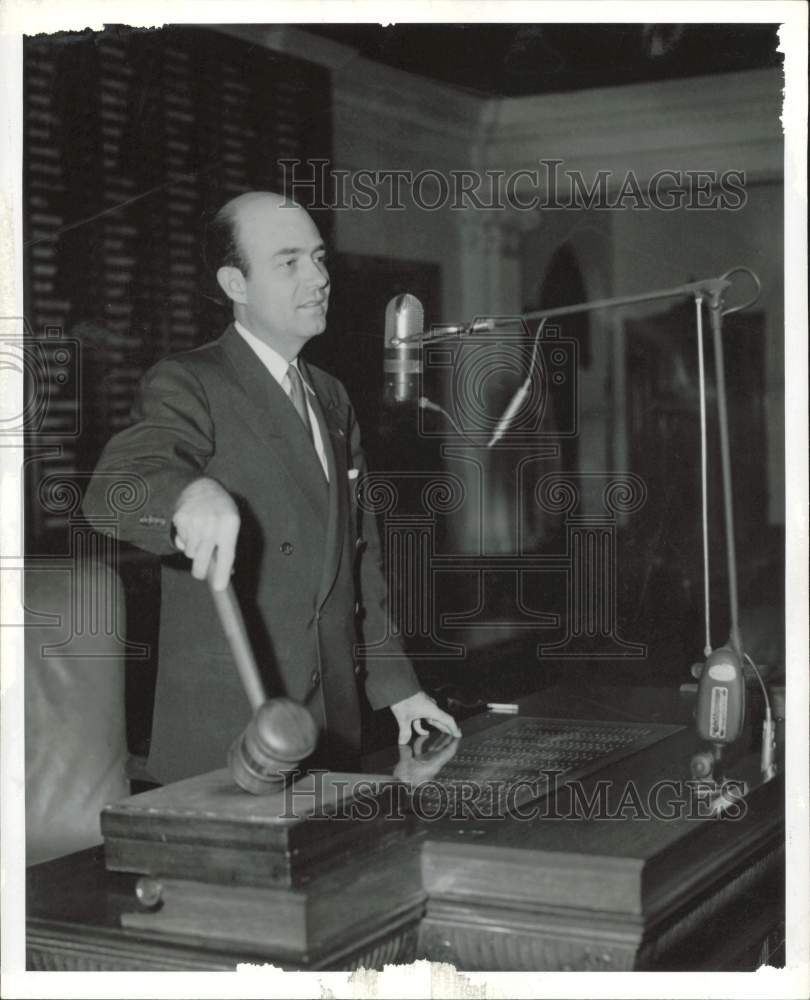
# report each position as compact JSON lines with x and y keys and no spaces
{"x":277,"y":367}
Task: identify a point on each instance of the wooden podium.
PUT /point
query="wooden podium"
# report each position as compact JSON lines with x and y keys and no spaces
{"x":603,"y":867}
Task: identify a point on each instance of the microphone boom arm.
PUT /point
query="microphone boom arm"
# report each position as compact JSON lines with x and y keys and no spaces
{"x":710,"y":287}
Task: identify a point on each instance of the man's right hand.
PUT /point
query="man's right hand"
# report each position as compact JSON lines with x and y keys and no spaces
{"x":206,"y":519}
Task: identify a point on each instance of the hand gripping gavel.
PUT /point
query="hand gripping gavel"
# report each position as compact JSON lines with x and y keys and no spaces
{"x":281,"y":733}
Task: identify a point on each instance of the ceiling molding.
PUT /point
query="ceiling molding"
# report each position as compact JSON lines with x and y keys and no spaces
{"x":294,"y":42}
{"x":729,"y":122}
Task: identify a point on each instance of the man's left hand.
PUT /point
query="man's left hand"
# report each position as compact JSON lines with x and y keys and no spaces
{"x":411,"y":712}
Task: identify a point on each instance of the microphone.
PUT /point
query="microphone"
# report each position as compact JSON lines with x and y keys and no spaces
{"x":402,"y":355}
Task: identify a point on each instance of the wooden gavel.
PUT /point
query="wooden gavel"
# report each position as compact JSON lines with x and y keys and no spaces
{"x":281,"y":733}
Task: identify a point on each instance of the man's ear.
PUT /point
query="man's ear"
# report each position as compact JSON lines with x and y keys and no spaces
{"x":232,"y":282}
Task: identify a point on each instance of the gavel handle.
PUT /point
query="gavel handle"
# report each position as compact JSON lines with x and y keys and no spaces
{"x":233,"y":625}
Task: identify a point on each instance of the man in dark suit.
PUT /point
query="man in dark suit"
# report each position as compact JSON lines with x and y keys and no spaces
{"x":251,"y":457}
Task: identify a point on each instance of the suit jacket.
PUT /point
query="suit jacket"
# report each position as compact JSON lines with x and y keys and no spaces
{"x":217,"y":412}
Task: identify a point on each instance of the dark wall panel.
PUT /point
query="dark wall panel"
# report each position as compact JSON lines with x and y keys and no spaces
{"x":131,"y":138}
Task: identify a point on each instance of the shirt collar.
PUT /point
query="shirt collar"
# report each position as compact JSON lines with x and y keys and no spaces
{"x":269,"y":357}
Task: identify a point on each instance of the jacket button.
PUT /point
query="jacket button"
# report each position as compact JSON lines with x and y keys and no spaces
{"x":286,"y":548}
{"x":315,"y":679}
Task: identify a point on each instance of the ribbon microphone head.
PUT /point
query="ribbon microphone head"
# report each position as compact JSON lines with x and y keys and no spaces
{"x":402,"y":355}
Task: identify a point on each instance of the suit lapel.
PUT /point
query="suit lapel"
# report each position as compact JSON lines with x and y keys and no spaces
{"x":264,"y":405}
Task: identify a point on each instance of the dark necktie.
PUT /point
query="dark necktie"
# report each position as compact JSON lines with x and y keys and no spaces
{"x":298,"y":399}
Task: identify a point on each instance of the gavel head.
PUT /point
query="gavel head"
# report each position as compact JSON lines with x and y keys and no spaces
{"x":280,"y":735}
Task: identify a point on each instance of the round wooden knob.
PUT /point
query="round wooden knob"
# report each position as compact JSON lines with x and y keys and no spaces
{"x":149,"y":893}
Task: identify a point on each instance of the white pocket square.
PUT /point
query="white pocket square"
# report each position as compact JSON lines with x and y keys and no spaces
{"x":354,"y":473}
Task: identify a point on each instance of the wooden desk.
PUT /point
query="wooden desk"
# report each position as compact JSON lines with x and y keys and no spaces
{"x":627,"y":888}
{"x":545,"y":893}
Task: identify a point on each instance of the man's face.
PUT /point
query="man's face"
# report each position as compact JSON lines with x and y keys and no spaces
{"x":287,"y":285}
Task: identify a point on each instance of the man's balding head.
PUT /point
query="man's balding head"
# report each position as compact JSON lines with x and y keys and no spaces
{"x":269,"y":259}
{"x":222,"y":246}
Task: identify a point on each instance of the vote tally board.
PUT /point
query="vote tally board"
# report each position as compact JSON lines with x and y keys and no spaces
{"x":497,"y":771}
